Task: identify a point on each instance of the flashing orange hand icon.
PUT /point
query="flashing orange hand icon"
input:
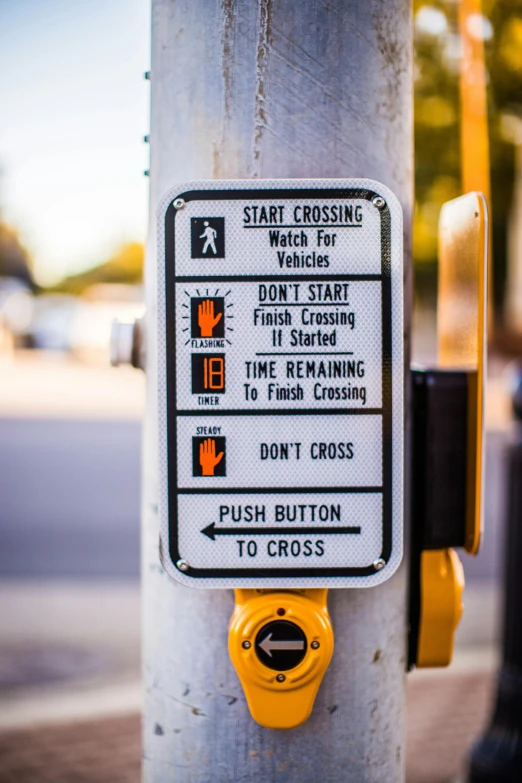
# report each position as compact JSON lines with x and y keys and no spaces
{"x":206,"y":319}
{"x":207,"y":456}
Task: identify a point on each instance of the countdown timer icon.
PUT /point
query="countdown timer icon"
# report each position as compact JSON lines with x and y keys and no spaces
{"x":208,"y":373}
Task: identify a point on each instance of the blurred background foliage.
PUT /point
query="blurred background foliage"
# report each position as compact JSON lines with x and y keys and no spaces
{"x":125,"y":266}
{"x":437,"y":145}
{"x":437,"y":123}
{"x":14,"y":258}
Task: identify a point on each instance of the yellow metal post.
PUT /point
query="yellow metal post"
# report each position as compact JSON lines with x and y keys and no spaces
{"x":474,"y":136}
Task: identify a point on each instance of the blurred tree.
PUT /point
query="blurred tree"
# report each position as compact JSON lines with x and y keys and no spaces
{"x":437,"y":113}
{"x":14,"y":258}
{"x":126,"y":266}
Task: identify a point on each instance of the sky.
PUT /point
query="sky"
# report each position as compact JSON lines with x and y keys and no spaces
{"x":74,"y":108}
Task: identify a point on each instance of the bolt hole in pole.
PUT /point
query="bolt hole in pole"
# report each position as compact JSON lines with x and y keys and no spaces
{"x":281,"y":612}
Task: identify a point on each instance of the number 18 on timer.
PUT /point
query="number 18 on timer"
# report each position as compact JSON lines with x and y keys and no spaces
{"x":208,"y":373}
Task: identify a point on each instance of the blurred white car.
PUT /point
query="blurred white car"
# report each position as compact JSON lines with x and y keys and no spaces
{"x":52,"y":322}
{"x":16,"y":305}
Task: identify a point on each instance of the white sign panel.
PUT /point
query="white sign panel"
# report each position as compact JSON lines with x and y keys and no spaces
{"x":280,"y":383}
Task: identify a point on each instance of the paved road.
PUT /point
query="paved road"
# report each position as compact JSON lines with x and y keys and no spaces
{"x":69,"y":497}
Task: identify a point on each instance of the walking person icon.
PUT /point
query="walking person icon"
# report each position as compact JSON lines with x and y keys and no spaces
{"x":209,"y":235}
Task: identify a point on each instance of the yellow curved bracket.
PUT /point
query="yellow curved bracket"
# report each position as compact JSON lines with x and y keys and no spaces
{"x":462,"y":330}
{"x":442,"y":584}
{"x":270,"y":631}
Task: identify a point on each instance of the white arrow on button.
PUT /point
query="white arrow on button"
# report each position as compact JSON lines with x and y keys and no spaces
{"x":267,"y":645}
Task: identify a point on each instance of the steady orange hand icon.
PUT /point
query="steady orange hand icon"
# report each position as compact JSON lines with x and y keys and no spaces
{"x":207,"y":456}
{"x":206,"y":319}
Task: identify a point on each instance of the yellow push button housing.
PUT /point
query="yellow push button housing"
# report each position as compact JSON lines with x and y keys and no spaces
{"x":442,"y":584}
{"x":281,"y":642}
{"x":448,"y":461}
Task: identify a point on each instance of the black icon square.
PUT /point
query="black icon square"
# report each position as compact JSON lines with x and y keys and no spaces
{"x":281,"y":645}
{"x":208,"y":373}
{"x":209,"y":456}
{"x":207,"y":316}
{"x":207,"y":237}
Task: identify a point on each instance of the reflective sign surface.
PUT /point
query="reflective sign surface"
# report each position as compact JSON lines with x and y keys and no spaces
{"x":281,"y":383}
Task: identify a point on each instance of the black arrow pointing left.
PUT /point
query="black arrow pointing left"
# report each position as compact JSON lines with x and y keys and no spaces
{"x":211,"y":531}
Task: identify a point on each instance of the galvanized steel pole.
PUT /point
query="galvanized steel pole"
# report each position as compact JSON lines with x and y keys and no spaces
{"x":272,"y":88}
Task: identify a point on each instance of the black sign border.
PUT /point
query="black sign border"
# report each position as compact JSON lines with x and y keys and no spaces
{"x":263,"y":574}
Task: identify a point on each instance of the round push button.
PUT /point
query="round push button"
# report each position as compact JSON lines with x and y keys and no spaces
{"x":281,"y":645}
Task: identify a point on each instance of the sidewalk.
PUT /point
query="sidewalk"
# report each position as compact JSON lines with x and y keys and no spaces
{"x":70,"y":692}
{"x":47,"y":384}
{"x":445,"y":713}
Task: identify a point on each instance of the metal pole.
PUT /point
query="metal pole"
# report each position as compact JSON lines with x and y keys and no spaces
{"x":273,"y":88}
